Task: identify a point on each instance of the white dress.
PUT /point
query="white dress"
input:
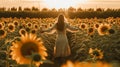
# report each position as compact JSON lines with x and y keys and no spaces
{"x":62,"y":48}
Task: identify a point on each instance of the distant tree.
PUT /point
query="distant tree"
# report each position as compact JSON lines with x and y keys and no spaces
{"x":99,"y":9}
{"x":90,"y":9}
{"x":71,"y":9}
{"x":108,"y":9}
{"x":79,"y":9}
{"x":8,"y":9}
{"x":13,"y":9}
{"x":45,"y":9}
{"x":35,"y":9}
{"x":2,"y":9}
{"x":19,"y":8}
{"x":54,"y":10}
{"x":27,"y":9}
{"x":119,"y":9}
{"x":61,"y":10}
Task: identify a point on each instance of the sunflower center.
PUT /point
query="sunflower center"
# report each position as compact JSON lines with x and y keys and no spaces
{"x":29,"y":25}
{"x":104,"y":29}
{"x":22,"y":31}
{"x":11,"y":27}
{"x":16,"y":23}
{"x":111,"y":31}
{"x":28,"y":48}
{"x":96,"y":53}
{"x":82,"y":26}
{"x":96,"y":25}
{"x":90,"y":30}
{"x":27,"y":29}
{"x":45,"y":26}
{"x":33,"y":31}
{"x":2,"y":32}
{"x":36,"y":26}
{"x":37,"y":57}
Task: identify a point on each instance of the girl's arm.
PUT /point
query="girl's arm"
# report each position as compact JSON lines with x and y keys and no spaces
{"x":72,"y":29}
{"x":49,"y":29}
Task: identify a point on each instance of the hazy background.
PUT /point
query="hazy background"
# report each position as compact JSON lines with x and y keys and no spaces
{"x":41,"y":4}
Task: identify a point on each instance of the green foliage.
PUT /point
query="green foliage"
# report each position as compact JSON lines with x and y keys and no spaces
{"x":70,"y":12}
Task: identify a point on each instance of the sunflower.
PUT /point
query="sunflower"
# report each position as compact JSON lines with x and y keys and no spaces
{"x":35,"y":26}
{"x":11,"y":27}
{"x":2,"y":33}
{"x":33,"y":31}
{"x":22,"y":31}
{"x":90,"y":31}
{"x":68,"y":64}
{"x":15,"y":23}
{"x":29,"y":45}
{"x":1,"y":25}
{"x":29,"y":25}
{"x":95,"y":53}
{"x":103,"y":29}
{"x":96,"y":26}
{"x":86,"y":64}
{"x":27,"y":29}
{"x":83,"y":26}
{"x":50,"y":24}
{"x":111,"y":31}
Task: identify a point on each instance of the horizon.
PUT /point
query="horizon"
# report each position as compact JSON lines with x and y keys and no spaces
{"x":114,"y":4}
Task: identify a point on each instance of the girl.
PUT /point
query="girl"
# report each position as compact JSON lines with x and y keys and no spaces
{"x":61,"y":48}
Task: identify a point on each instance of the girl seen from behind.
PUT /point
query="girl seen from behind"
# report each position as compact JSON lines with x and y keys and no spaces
{"x":61,"y":48}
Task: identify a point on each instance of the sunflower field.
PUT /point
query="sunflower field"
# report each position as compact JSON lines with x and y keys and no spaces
{"x":97,"y":44}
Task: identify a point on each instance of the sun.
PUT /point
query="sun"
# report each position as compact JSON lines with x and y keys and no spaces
{"x":63,"y":3}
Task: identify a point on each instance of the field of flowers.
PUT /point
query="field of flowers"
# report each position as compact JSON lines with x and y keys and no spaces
{"x":96,"y":44}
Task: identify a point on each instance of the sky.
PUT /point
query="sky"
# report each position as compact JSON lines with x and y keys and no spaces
{"x":61,"y":3}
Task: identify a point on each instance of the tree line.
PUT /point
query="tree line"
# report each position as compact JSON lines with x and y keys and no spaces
{"x":48,"y":13}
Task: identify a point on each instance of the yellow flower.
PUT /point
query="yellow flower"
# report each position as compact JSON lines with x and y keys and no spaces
{"x":33,"y":31}
{"x":68,"y":64}
{"x":35,"y":26}
{"x":102,"y":64}
{"x":11,"y":27}
{"x":86,"y":64}
{"x":1,"y":25}
{"x":29,"y":44}
{"x":90,"y":31}
{"x":96,"y":53}
{"x":29,"y":25}
{"x":103,"y":29}
{"x":111,"y":31}
{"x":2,"y":33}
{"x":16,"y":23}
{"x":96,"y":26}
{"x":83,"y":26}
{"x":22,"y":31}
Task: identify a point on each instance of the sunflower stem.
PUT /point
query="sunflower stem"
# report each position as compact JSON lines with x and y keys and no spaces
{"x":94,"y":59}
{"x":31,"y":64}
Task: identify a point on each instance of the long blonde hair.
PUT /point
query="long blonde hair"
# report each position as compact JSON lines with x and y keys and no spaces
{"x":60,"y":23}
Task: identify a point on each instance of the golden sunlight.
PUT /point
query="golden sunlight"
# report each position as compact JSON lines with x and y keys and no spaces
{"x":63,"y":3}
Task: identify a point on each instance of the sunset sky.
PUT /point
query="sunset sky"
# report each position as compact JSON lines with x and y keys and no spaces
{"x":61,"y":3}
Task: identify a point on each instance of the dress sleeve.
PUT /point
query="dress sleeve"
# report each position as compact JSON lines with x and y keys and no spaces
{"x":71,"y":29}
